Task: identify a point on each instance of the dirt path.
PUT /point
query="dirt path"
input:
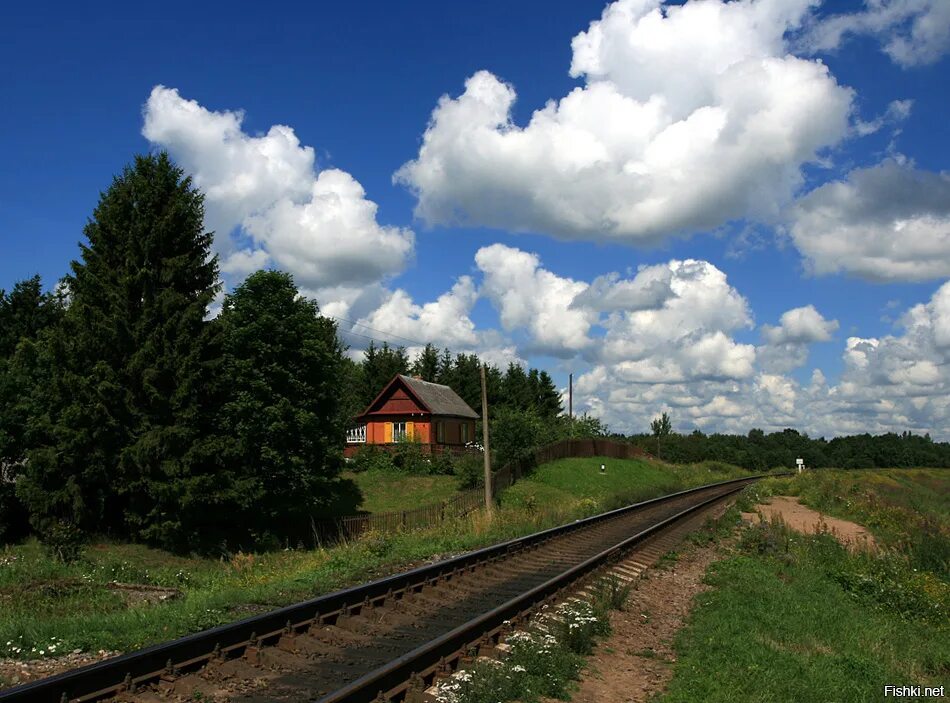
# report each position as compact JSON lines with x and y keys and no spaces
{"x":634,"y":663}
{"x":804,"y":519}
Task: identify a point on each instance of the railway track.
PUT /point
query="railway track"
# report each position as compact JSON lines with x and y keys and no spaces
{"x":385,"y":640}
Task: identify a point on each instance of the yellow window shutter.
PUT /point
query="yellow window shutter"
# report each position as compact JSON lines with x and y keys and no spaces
{"x":388,"y":432}
{"x":410,"y":430}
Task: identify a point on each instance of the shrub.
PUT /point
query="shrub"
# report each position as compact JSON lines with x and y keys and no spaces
{"x":409,"y":458}
{"x":470,"y":469}
{"x":443,"y":464}
{"x":14,"y":520}
{"x":63,"y":540}
{"x":371,"y":458}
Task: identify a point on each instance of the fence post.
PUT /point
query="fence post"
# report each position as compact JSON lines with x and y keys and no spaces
{"x":485,"y":449}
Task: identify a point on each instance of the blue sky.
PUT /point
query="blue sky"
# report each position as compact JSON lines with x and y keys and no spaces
{"x":793,"y":151}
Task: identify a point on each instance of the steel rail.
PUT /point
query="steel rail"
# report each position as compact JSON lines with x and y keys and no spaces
{"x":391,"y":679}
{"x":111,"y":676}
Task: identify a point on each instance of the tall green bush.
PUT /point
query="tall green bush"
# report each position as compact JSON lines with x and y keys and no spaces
{"x":283,"y":406}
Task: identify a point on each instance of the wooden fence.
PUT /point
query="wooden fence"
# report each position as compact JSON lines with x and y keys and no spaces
{"x":352,"y":526}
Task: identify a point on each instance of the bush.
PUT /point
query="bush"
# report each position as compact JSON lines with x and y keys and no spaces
{"x":14,"y":520}
{"x":443,"y":464}
{"x":409,"y":458}
{"x":371,"y":458}
{"x":63,"y":540}
{"x":470,"y":470}
{"x":884,"y":580}
{"x":516,"y":434}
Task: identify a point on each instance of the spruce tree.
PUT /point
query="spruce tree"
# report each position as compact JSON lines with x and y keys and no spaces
{"x":25,"y":313}
{"x":123,"y":443}
{"x":548,"y":399}
{"x":380,"y":364}
{"x":283,"y":363}
{"x":446,"y":369}
{"x":351,"y":385}
{"x":426,"y":364}
{"x":516,"y":391}
{"x":467,"y":380}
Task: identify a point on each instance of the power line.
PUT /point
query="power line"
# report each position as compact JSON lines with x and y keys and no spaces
{"x":381,"y":332}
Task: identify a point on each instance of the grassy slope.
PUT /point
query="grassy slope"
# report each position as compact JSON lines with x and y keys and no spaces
{"x":385,"y":491}
{"x":41,"y":599}
{"x":568,"y":481}
{"x":886,"y":501}
{"x":778,"y":632}
{"x":795,"y":618}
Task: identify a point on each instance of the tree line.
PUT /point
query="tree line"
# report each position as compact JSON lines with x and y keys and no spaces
{"x":759,"y":451}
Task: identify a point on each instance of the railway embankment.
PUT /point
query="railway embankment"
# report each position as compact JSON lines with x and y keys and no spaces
{"x":73,"y":606}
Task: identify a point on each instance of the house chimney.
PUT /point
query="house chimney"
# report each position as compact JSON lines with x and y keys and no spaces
{"x":417,"y":377}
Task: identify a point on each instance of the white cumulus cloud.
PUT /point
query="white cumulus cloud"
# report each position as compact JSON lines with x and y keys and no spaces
{"x":690,"y":116}
{"x":912,"y":32}
{"x":801,"y":326}
{"x":886,"y":222}
{"x":889,"y":384}
{"x":267,"y":190}
{"x":531,"y":297}
{"x":443,"y":322}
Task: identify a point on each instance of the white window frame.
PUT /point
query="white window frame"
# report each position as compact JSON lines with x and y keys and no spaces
{"x":399,"y":431}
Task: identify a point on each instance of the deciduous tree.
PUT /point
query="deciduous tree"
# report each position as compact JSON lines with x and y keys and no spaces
{"x":661,"y":427}
{"x":283,"y":362}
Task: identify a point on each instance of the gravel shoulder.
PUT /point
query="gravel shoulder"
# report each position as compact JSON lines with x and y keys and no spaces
{"x":635,"y":662}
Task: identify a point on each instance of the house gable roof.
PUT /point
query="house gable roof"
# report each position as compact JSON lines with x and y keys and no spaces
{"x":441,"y":400}
{"x":433,"y":397}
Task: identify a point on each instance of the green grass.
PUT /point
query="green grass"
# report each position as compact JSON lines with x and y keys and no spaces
{"x":800,"y":618}
{"x":42,"y":599}
{"x":389,"y":491}
{"x":905,"y":509}
{"x":579,"y":482}
{"x":782,"y":627}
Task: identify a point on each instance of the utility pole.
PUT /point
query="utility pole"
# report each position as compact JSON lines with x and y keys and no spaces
{"x":570,"y":402}
{"x":488,"y":498}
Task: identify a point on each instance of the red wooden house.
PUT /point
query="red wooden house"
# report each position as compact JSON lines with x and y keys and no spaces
{"x":410,"y":408}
